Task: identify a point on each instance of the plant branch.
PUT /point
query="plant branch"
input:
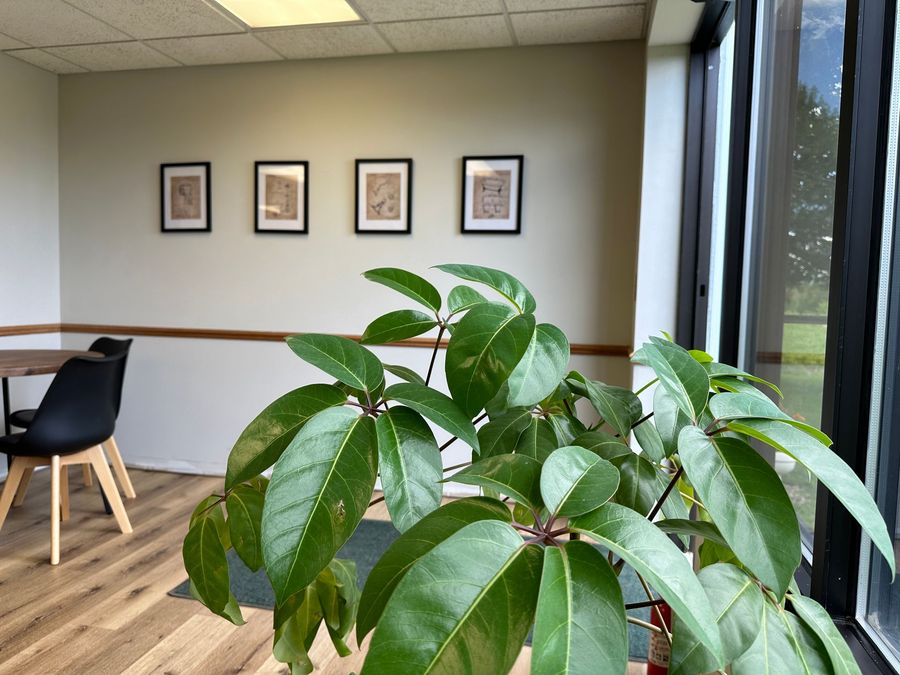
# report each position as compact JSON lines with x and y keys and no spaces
{"x":644,"y":603}
{"x":646,"y":386}
{"x":437,"y":344}
{"x":665,"y":494}
{"x":457,"y":466}
{"x":643,"y":624}
{"x":529,"y":530}
{"x":456,"y":438}
{"x":377,"y":500}
{"x":657,"y":610}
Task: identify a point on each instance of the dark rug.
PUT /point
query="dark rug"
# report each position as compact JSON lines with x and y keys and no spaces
{"x":371,"y":539}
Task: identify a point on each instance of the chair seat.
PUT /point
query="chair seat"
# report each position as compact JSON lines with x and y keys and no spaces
{"x":12,"y":445}
{"x":9,"y":444}
{"x":22,"y":418}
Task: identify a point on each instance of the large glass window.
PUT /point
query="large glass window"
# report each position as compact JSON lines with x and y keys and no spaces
{"x":794,"y":136}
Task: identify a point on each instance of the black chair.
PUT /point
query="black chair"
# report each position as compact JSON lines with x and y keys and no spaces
{"x":23,"y":418}
{"x":77,"y":414}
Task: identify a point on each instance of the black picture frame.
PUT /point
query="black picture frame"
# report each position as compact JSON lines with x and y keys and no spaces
{"x":357,"y":203}
{"x":206,"y":170}
{"x":519,"y":183}
{"x":256,"y":169}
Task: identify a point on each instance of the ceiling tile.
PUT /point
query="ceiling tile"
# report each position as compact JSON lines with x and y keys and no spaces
{"x":7,"y":42}
{"x":201,"y":51}
{"x":42,"y":59}
{"x":52,"y":22}
{"x":405,"y":10}
{"x":113,"y":56}
{"x":540,"y":5}
{"x":440,"y":34}
{"x":144,"y":19}
{"x":581,"y":25}
{"x":325,"y":41}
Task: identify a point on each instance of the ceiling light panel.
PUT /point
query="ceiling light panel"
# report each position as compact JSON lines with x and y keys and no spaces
{"x":270,"y":13}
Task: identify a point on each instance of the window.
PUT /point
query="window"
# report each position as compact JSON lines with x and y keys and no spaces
{"x":794,"y":142}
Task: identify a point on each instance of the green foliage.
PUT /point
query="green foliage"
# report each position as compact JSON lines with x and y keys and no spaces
{"x":464,"y":583}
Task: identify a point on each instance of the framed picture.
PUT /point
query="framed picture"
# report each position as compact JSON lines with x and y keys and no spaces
{"x":185,"y":197}
{"x":281,"y":196}
{"x":383,"y":196}
{"x":492,"y":195}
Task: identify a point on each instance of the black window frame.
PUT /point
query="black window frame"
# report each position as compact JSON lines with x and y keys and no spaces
{"x":832,"y":577}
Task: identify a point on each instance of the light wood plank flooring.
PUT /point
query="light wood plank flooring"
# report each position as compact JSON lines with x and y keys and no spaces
{"x":104,"y":609}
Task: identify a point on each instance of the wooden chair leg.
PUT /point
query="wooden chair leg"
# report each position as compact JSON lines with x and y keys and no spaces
{"x":119,"y":467}
{"x":86,"y":475}
{"x":54,"y":510}
{"x":23,"y":487}
{"x":16,"y":469}
{"x":105,"y":478}
{"x":64,"y":491}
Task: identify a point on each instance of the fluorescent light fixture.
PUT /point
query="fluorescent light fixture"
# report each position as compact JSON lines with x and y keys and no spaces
{"x":269,"y":13}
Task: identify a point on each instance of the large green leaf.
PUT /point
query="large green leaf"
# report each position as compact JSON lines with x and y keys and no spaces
{"x":819,"y":621}
{"x":410,"y":465}
{"x":464,"y":608}
{"x":580,"y":627}
{"x":747,"y":501}
{"x":411,"y":285}
{"x":653,"y":555}
{"x":405,"y":374}
{"x":206,"y":565}
{"x":540,"y":370}
{"x":295,"y":634}
{"x":606,"y":445}
{"x":412,"y":545}
{"x":486,"y":346}
{"x":737,"y":406}
{"x":265,"y":438}
{"x":692,"y":528}
{"x":341,"y":358}
{"x":245,"y":506}
{"x":738,"y":603}
{"x":575,"y":480}
{"x":772,"y":653}
{"x":650,"y":441}
{"x":830,"y":470}
{"x":638,"y":482}
{"x":396,"y":326}
{"x":618,"y":407}
{"x":537,"y":440}
{"x":462,"y":298}
{"x":809,"y":649}
{"x":319,"y":491}
{"x":436,"y":407}
{"x":517,"y":476}
{"x":499,"y":436}
{"x":669,"y":419}
{"x":686,"y":380}
{"x":565,"y":427}
{"x":505,"y":284}
{"x":722,"y":370}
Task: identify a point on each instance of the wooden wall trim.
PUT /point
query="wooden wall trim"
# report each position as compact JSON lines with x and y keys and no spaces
{"x":250,"y":335}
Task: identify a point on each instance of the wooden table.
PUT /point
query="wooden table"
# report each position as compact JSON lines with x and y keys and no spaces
{"x":22,"y":362}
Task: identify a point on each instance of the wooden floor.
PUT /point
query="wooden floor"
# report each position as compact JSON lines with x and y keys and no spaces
{"x":104,"y":609}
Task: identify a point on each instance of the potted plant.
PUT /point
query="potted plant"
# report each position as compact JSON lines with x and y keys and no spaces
{"x":567,"y":503}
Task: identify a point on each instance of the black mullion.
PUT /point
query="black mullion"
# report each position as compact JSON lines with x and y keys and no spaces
{"x":854,"y":283}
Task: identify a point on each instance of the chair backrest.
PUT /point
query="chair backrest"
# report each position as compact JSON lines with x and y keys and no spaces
{"x":78,"y":411}
{"x":108,"y":347}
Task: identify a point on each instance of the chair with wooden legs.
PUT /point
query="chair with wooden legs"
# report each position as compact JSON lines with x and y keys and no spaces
{"x":23,"y":418}
{"x":76,"y":415}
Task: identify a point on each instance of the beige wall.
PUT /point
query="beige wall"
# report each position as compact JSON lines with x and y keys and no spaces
{"x":29,"y":205}
{"x":575,"y":112}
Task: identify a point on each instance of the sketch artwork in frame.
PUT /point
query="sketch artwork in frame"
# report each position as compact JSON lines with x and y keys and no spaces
{"x":281,"y":197}
{"x":383,"y":196}
{"x":492,"y":195}
{"x":185,"y":197}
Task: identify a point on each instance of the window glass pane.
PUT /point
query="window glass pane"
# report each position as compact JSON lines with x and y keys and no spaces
{"x":795,"y":131}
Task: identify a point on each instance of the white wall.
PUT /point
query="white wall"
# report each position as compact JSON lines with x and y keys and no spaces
{"x":574,"y":112}
{"x":29,"y":214}
{"x":665,"y":118}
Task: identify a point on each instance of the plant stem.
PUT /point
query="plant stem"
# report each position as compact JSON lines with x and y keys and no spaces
{"x":529,"y":530}
{"x":437,"y":344}
{"x":377,"y":500}
{"x":646,"y":386}
{"x":456,"y":438}
{"x":665,"y":494}
{"x":643,"y":624}
{"x":457,"y":466}
{"x":657,"y":610}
